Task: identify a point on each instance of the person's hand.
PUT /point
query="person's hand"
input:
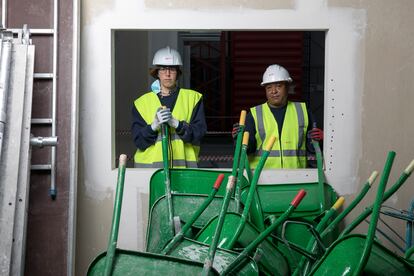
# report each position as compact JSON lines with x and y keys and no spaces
{"x":162,"y":116}
{"x":173,"y":122}
{"x":316,"y":134}
{"x":235,"y":130}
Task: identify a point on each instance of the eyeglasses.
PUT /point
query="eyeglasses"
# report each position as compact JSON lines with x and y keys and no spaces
{"x":172,"y":70}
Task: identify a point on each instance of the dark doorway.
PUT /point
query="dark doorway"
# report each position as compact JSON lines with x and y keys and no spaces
{"x":227,"y":67}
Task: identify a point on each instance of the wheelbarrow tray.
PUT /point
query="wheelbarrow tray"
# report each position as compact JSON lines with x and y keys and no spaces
{"x":342,"y":258}
{"x":159,"y":232}
{"x":188,"y":181}
{"x":139,"y":263}
{"x":197,"y":251}
{"x":271,"y":261}
{"x":272,"y":199}
{"x":275,"y":197}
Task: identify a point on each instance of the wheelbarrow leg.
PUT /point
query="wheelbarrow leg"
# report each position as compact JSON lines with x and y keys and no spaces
{"x":167,"y":182}
{"x":208,"y":263}
{"x":403,"y":177}
{"x":242,"y":164}
{"x":375,"y":214}
{"x":263,"y":235}
{"x":179,"y":236}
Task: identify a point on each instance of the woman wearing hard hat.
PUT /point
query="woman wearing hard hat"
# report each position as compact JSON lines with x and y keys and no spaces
{"x":184,"y":113}
{"x":289,"y":121}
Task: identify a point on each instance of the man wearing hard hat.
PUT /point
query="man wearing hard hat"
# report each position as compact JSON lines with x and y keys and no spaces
{"x":184,"y":113}
{"x":288,"y":121}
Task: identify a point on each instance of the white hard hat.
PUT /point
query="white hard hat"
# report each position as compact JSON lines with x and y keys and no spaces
{"x":167,"y":56}
{"x":275,"y":73}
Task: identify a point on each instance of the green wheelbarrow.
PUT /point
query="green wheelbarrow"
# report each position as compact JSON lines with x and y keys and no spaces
{"x":143,"y":263}
{"x":190,"y":188}
{"x":231,"y":262}
{"x":184,"y":190}
{"x":368,"y":256}
{"x":270,"y":200}
{"x":158,"y":231}
{"x":187,"y":181}
{"x":124,"y":262}
{"x":238,"y":232}
{"x":198,"y":251}
{"x":338,"y":260}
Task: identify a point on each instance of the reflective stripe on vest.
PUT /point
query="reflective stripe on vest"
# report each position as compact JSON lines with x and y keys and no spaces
{"x":183,"y":154}
{"x":289,"y":151}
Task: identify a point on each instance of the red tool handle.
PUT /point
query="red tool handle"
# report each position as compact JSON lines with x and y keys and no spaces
{"x":298,"y":198}
{"x":218,"y":182}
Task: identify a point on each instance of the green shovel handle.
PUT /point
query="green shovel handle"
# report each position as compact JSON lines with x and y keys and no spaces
{"x":113,"y":238}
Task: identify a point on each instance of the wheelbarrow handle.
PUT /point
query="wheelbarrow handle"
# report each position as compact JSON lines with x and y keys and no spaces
{"x":269,"y":144}
{"x":303,"y":266}
{"x":218,"y":182}
{"x":242,"y":163}
{"x":372,"y":178}
{"x":298,"y":198}
{"x":409,"y":168}
{"x":239,"y":138}
{"x":388,"y":193}
{"x":263,"y":235}
{"x":339,"y":202}
{"x":242,"y":119}
{"x":113,"y":238}
{"x":208,"y":262}
{"x":352,"y":205}
{"x":375,"y":214}
{"x":245,"y":138}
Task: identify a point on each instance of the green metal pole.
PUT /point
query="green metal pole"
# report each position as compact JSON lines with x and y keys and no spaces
{"x":248,"y":170}
{"x":263,"y":235}
{"x":321,"y":175}
{"x":167,"y":183}
{"x":241,"y":169}
{"x":238,"y":143}
{"x":113,"y":238}
{"x":375,"y":215}
{"x":178,"y":237}
{"x":403,"y":177}
{"x":351,"y":206}
{"x":208,"y":262}
{"x":331,"y":227}
{"x":252,"y":190}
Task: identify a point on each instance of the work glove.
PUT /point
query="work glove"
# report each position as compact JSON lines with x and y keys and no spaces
{"x":162,"y":116}
{"x":173,"y":122}
{"x":235,"y":130}
{"x":316,"y":134}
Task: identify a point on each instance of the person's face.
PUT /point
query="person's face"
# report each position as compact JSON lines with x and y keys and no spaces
{"x":167,"y":76}
{"x":277,"y":93}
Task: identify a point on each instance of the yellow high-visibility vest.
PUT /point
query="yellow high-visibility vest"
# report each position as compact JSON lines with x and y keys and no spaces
{"x":184,"y":154}
{"x":289,"y":151}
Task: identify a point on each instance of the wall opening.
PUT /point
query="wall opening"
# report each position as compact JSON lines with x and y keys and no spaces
{"x":226,"y":67}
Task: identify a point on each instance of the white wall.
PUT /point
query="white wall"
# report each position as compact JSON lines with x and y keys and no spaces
{"x":345,"y":87}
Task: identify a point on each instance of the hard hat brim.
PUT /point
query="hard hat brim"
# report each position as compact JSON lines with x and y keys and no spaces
{"x":289,"y":80}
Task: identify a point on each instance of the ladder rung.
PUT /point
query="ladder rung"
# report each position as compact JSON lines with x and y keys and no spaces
{"x":43,"y":75}
{"x":46,"y":167}
{"x":42,"y":121}
{"x":35,"y":31}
